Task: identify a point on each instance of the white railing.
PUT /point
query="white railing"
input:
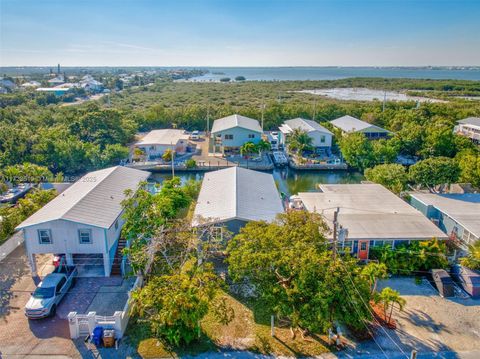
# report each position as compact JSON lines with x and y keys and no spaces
{"x":83,"y":324}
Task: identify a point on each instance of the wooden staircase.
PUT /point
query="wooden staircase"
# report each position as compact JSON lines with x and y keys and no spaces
{"x":117,"y":261}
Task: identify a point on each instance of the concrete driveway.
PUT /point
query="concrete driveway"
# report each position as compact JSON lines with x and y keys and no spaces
{"x":50,"y":337}
{"x":429,"y":323}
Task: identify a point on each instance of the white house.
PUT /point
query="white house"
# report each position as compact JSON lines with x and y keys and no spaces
{"x":84,"y":221}
{"x":156,"y":142}
{"x":231,"y":132}
{"x":469,"y":127}
{"x":321,"y":137}
{"x":349,"y":124}
{"x":234,"y":196}
{"x":369,"y":215}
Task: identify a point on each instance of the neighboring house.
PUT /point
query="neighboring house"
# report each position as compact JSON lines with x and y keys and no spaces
{"x":469,"y":127}
{"x":321,"y":137}
{"x":7,"y":84}
{"x":156,"y":142}
{"x":91,"y":85}
{"x":458,"y":215}
{"x":369,"y":215}
{"x":31,"y":84}
{"x":230,"y":133}
{"x":57,"y":91}
{"x":349,"y":124}
{"x":84,"y":221}
{"x":234,"y":196}
{"x":57,"y":80}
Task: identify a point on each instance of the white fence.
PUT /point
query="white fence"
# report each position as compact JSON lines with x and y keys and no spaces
{"x":11,"y":244}
{"x":83,"y":324}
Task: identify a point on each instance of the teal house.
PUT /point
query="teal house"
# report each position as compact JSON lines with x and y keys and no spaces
{"x":230,"y":133}
{"x":457,"y":215}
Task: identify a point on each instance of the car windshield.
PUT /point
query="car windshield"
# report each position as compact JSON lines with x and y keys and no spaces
{"x":43,"y":293}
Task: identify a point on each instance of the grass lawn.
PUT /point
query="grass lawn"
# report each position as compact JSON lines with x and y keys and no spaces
{"x":249,"y":330}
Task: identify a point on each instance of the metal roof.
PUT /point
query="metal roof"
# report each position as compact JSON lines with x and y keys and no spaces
{"x":228,"y":122}
{"x":237,"y":193}
{"x":95,"y":199}
{"x":370,"y":211}
{"x":163,"y":137}
{"x":351,"y":124}
{"x":463,"y":208}
{"x":474,"y":121}
{"x":306,"y":125}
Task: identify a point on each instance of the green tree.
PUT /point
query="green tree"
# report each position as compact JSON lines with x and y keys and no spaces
{"x":175,"y":304}
{"x":434,"y":171}
{"x":392,"y":176}
{"x":263,"y":146}
{"x":294,"y":274}
{"x":469,"y":163}
{"x":384,"y":151}
{"x":472,"y":261}
{"x":374,"y":271}
{"x":248,"y":148}
{"x":299,"y":141}
{"x":167,"y":156}
{"x":439,"y":140}
{"x":389,"y":298}
{"x":357,"y":150}
{"x":113,"y":154}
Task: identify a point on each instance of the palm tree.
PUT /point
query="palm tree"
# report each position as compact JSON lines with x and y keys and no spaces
{"x":248,"y":148}
{"x":388,"y":298}
{"x":472,"y":261}
{"x":263,"y":146}
{"x":299,"y":141}
{"x":374,"y":271}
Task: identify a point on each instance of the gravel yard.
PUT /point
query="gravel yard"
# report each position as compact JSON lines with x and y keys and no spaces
{"x":429,"y":323}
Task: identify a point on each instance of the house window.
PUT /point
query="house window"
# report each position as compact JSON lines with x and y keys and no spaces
{"x":85,"y":236}
{"x":116,"y":225}
{"x":44,"y":236}
{"x":229,"y":137}
{"x":251,"y":135}
{"x":363,"y":246}
{"x":322,"y":139}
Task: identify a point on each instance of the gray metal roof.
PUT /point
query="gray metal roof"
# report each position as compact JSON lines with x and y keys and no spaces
{"x":228,"y":122}
{"x":95,"y":199}
{"x":351,"y":124}
{"x":163,"y":137}
{"x":306,"y":125}
{"x":475,"y":121}
{"x":237,"y":193}
{"x":370,"y":211}
{"x":464,"y":208}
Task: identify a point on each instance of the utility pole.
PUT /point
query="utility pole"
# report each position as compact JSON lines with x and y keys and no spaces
{"x":208,"y":119}
{"x":314,"y":107}
{"x":263,"y":109}
{"x":384,"y":100}
{"x":173,"y":161}
{"x":335,"y":225}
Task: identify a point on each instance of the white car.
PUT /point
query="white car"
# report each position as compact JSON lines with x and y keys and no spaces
{"x":44,"y":300}
{"x":195,"y":135}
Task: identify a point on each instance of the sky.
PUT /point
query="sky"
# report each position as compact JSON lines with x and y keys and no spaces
{"x":239,"y":32}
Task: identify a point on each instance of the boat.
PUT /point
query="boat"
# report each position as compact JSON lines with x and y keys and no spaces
{"x":280,"y":159}
{"x":15,"y":193}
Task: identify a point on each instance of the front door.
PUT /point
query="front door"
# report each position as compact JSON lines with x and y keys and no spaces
{"x":363,"y":249}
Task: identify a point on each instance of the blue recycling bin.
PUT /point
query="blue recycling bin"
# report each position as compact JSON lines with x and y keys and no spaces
{"x":97,"y":336}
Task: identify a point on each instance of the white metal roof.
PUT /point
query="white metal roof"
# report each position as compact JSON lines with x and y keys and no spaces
{"x":474,"y":121}
{"x":95,"y":199}
{"x":163,"y":137}
{"x":228,"y":122}
{"x":370,"y":211}
{"x":351,"y":124}
{"x":237,"y":193}
{"x":305,"y":125}
{"x":464,"y":208}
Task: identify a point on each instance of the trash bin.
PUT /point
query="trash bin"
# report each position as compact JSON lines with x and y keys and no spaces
{"x":108,"y":338}
{"x":97,"y":335}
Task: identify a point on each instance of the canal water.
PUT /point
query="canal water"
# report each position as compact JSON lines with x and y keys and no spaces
{"x":289,"y":181}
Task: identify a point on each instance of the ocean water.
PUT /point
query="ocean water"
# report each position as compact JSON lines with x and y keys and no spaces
{"x":334,"y":73}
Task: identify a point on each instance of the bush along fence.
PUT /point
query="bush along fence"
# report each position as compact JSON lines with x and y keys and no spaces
{"x":81,"y":325}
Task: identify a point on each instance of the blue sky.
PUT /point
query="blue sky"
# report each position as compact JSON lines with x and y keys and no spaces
{"x":239,"y":32}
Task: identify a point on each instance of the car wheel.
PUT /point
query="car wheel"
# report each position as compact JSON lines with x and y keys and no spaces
{"x":53,"y":311}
